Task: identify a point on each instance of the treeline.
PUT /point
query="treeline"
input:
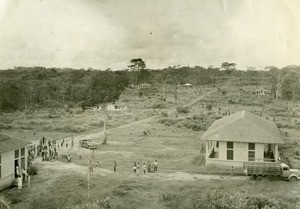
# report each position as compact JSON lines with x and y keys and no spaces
{"x":25,"y":88}
{"x":35,"y":87}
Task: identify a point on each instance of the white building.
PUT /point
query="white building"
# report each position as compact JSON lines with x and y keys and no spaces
{"x":13,"y":153}
{"x":241,"y":137}
{"x":262,"y":92}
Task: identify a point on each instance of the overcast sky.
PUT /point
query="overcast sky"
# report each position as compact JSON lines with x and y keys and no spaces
{"x":109,"y":33}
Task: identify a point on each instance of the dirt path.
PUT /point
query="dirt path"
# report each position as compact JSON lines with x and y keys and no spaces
{"x":172,"y":111}
{"x":62,"y":168}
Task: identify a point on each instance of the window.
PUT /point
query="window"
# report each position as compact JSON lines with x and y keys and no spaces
{"x":229,"y":150}
{"x":251,"y":146}
{"x":23,"y":151}
{"x":285,"y":168}
{"x":229,"y":145}
{"x":251,"y":152}
{"x":16,"y":153}
{"x":22,"y":162}
{"x":217,"y":144}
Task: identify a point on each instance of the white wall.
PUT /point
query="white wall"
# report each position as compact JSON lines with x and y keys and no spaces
{"x":222,"y":150}
{"x":240,"y":151}
{"x":259,"y":151}
{"x":7,"y":164}
{"x":7,"y":169}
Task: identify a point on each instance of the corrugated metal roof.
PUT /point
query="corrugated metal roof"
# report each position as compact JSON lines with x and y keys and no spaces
{"x":7,"y":143}
{"x":243,"y":127}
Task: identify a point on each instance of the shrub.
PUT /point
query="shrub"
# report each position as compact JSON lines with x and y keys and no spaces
{"x":216,"y":200}
{"x":164,"y":114}
{"x":169,"y":121}
{"x":209,"y":107}
{"x":158,"y":106}
{"x":4,"y":203}
{"x":183,"y":110}
{"x":32,"y":170}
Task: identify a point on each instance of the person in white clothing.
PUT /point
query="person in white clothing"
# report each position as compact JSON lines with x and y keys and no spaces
{"x":155,"y":166}
{"x":28,"y":180}
{"x":20,"y":183}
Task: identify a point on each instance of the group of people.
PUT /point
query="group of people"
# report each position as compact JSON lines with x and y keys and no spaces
{"x":22,"y":176}
{"x":47,"y":149}
{"x":147,"y":168}
{"x":136,"y":167}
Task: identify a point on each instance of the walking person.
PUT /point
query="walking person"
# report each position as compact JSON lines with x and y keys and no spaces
{"x":98,"y":166}
{"x":138,"y":169}
{"x":134,"y":167}
{"x":149,"y":167}
{"x":144,"y":168}
{"x":155,"y":166}
{"x":115,"y":166}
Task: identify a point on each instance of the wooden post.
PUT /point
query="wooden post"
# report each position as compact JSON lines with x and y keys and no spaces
{"x":276,"y":152}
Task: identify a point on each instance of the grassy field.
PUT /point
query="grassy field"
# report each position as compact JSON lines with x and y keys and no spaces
{"x":182,"y":180}
{"x":179,"y":183}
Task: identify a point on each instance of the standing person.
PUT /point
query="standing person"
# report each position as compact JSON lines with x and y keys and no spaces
{"x":28,"y":180}
{"x":115,"y":166}
{"x":72,"y":143}
{"x":24,"y":174}
{"x":134,"y":167}
{"x":69,"y":158}
{"x":144,"y":168}
{"x":17,"y":171}
{"x":149,"y":167}
{"x":20,"y":183}
{"x":155,"y":165}
{"x":231,"y":171}
{"x":138,"y":169}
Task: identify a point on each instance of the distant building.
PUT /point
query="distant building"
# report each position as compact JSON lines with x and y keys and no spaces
{"x":262,"y":92}
{"x":13,"y":153}
{"x":113,"y":106}
{"x":144,"y":86}
{"x":241,"y":137}
{"x":110,"y":106}
{"x":187,"y":85}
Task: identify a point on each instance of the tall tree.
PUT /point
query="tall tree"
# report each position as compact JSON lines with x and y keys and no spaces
{"x":279,"y":76}
{"x":229,"y":67}
{"x":137,"y":66}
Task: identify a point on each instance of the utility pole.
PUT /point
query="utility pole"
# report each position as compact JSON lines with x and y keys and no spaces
{"x":176,"y":86}
{"x":104,"y":126}
{"x":163,"y":97}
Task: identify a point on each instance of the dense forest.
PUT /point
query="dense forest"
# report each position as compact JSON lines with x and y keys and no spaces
{"x":36,"y":87}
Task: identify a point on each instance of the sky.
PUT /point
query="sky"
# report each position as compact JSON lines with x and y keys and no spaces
{"x":109,"y":33}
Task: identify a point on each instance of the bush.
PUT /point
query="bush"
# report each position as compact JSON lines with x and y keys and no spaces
{"x":32,"y":170}
{"x":209,"y":107}
{"x":216,"y":200}
{"x":169,"y":121}
{"x":183,"y":110}
{"x":158,"y":106}
{"x":4,"y":203}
